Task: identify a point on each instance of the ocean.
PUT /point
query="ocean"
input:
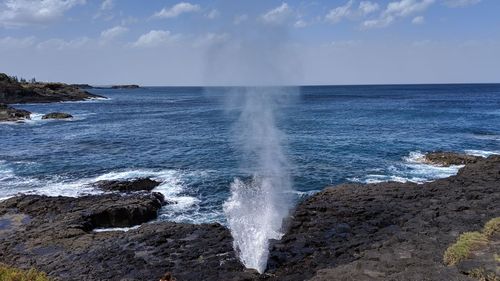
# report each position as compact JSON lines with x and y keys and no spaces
{"x":185,"y":137}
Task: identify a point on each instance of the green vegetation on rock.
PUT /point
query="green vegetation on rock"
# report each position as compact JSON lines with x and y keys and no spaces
{"x":482,"y":275}
{"x":467,"y":242}
{"x":492,"y":227}
{"x":477,"y":249}
{"x":8,"y":273}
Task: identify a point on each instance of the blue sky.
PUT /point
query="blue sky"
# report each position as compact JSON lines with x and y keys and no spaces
{"x":231,"y":42}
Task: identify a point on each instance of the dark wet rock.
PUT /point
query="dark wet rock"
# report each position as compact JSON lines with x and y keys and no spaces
{"x":143,"y":184}
{"x":88,"y":212}
{"x":11,"y":114}
{"x":125,"y":87}
{"x":57,"y":115}
{"x":55,"y":234}
{"x":386,"y":231}
{"x":12,"y":91}
{"x":449,"y":158}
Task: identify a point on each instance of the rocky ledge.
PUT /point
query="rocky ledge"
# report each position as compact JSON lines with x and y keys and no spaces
{"x":125,"y":87}
{"x":385,"y":231}
{"x":10,"y":114}
{"x":12,"y":91}
{"x":446,"y":159}
{"x":142,"y":184}
{"x":57,"y":115}
{"x":54,"y":233}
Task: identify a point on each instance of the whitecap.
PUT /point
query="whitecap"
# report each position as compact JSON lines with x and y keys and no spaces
{"x":413,"y":169}
{"x":172,"y":186}
{"x":415,"y":157}
{"x":89,"y":100}
{"x":481,"y":153}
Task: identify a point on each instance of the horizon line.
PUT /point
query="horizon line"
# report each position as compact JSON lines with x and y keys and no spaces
{"x":278,"y":86}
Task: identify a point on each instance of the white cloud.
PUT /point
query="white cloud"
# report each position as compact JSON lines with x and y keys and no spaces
{"x":107,"y":5}
{"x":277,"y":15}
{"x":154,"y":38}
{"x":105,"y":10}
{"x":337,"y":14}
{"x":177,"y":10}
{"x":398,"y":9}
{"x":367,"y":7}
{"x":460,"y":3}
{"x":300,"y":23}
{"x":16,"y":43}
{"x":239,"y":19}
{"x":112,"y":33}
{"x":214,"y":13}
{"x":418,"y":20}
{"x":32,"y":12}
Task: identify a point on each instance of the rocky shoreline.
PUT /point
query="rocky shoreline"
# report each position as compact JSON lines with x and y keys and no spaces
{"x":385,"y":231}
{"x":13,"y":92}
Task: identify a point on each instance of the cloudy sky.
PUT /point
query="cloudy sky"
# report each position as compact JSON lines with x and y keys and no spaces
{"x":163,"y":42}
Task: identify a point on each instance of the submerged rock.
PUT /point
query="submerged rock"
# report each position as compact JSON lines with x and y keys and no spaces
{"x":446,"y":159}
{"x":143,"y":184}
{"x":10,"y":114}
{"x":57,"y":115}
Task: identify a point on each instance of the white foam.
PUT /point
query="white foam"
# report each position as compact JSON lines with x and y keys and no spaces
{"x":301,"y":194}
{"x":415,"y":157}
{"x":413,"y":169}
{"x":89,"y":100}
{"x":488,"y":137}
{"x":482,"y":153}
{"x":172,"y":186}
{"x":121,"y":229}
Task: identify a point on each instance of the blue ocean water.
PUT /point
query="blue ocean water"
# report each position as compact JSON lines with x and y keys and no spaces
{"x":184,"y":136}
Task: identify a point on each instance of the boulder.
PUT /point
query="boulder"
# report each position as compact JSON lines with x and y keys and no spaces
{"x":10,"y":114}
{"x":143,"y":184}
{"x":57,"y":115}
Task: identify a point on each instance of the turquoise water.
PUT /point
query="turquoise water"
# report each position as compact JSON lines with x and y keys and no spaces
{"x":184,"y":136}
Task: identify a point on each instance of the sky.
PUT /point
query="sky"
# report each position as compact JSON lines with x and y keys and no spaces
{"x":236,"y":42}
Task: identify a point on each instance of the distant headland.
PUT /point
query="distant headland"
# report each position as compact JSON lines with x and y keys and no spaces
{"x":14,"y":91}
{"x":87,"y":86}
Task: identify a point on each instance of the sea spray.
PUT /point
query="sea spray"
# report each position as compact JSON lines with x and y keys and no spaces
{"x":257,"y":205}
